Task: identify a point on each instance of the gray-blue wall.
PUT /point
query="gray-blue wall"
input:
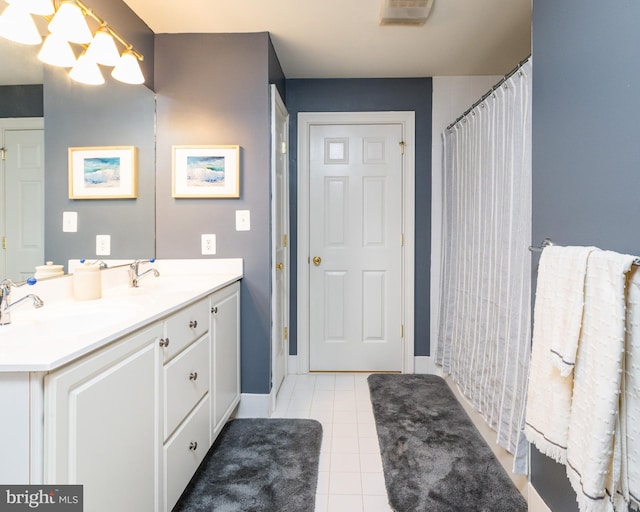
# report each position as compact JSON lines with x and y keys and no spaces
{"x":586,"y":154}
{"x":361,"y":95}
{"x":213,"y":89}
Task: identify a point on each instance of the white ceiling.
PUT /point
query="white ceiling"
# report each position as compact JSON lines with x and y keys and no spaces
{"x":341,"y":38}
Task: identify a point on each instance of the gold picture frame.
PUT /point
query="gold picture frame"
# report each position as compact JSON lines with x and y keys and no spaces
{"x":206,"y":172}
{"x":103,"y":172}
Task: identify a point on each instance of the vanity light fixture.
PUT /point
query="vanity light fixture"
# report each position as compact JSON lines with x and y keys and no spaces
{"x":68,"y":24}
{"x":127,"y":70}
{"x":16,"y":24}
{"x":86,"y":71}
{"x":103,"y":48}
{"x":39,"y":7}
{"x":57,"y":51}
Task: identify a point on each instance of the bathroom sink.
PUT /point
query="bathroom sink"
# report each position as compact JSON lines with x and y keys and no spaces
{"x":70,"y":318}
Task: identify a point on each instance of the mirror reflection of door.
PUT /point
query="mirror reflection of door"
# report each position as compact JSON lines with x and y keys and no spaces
{"x":22,"y":207}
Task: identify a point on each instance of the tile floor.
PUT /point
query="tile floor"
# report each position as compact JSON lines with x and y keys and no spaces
{"x":350,"y":477}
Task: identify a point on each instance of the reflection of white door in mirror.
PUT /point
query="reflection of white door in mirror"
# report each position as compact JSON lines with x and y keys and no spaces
{"x":22,"y":198}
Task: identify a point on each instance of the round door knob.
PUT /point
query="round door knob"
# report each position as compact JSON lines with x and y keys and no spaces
{"x":193,"y":375}
{"x":279,"y":266}
{"x":164,"y":342}
{"x":317,"y":260}
{"x":193,"y":445}
{"x":193,"y":324}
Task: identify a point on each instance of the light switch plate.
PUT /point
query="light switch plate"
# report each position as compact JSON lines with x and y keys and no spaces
{"x":243,"y":220}
{"x":103,"y":245}
{"x":69,"y":222}
{"x":208,"y":244}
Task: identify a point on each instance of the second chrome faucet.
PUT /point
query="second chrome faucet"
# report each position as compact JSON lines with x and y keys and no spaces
{"x":134,"y":272}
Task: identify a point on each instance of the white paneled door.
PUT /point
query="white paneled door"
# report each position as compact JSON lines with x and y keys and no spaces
{"x":280,"y":241}
{"x":355,"y":244}
{"x":24,"y":186}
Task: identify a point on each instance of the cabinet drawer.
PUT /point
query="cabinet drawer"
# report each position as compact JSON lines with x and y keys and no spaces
{"x":184,"y":327}
{"x":186,"y":380}
{"x":185,"y":451}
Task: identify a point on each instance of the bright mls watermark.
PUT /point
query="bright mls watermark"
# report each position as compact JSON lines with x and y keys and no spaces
{"x":49,"y":498}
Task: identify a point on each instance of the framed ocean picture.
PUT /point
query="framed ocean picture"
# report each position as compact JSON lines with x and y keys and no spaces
{"x":108,"y":172}
{"x":206,"y":171}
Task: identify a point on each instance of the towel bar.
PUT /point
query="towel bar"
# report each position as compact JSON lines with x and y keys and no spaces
{"x":547,"y":242}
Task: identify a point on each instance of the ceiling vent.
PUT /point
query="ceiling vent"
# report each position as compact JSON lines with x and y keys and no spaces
{"x":405,"y":12}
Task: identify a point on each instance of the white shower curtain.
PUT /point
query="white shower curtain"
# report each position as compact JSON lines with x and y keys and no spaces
{"x":484,"y":326}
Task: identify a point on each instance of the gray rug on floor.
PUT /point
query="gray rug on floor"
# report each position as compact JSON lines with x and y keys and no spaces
{"x":434,"y":458}
{"x":258,"y":465}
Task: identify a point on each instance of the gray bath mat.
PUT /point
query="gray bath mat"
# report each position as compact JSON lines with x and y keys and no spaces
{"x":258,"y":465}
{"x":434,"y":459}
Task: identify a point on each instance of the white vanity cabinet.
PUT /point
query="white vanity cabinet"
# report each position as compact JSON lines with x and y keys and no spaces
{"x":225,"y":336}
{"x":186,"y":388}
{"x":133,"y":420}
{"x":101,"y":423}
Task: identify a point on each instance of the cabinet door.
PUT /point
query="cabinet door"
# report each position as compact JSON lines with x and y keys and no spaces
{"x":101,"y":425}
{"x":225,"y":337}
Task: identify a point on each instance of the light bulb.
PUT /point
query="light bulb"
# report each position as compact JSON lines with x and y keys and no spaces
{"x":39,"y":7}
{"x":57,"y":52}
{"x":16,"y":24}
{"x":103,"y":48}
{"x":128,"y":69}
{"x":86,"y":71}
{"x":69,"y":22}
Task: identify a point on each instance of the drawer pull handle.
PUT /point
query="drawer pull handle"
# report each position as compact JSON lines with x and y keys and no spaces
{"x":214,"y":309}
{"x":193,"y":375}
{"x":193,"y":446}
{"x":193,"y":324}
{"x":164,"y":342}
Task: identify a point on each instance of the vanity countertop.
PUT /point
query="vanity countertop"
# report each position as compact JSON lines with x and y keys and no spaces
{"x":64,"y":329}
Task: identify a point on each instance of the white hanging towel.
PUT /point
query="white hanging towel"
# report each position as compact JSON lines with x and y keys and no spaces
{"x":597,"y":378}
{"x":629,"y":487}
{"x":557,"y":319}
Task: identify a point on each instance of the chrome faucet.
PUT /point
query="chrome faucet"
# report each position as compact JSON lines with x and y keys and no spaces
{"x":134,"y":272}
{"x":6,"y":306}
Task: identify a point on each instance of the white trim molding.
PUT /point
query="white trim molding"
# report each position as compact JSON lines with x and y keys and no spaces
{"x":254,"y":406}
{"x":427,"y":365}
{"x":535,"y":502}
{"x":305,"y":121}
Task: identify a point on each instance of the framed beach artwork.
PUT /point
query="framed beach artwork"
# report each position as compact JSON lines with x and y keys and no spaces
{"x":206,"y":171}
{"x":108,"y":172}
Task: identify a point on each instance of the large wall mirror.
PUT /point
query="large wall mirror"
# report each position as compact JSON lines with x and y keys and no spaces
{"x":77,"y":115}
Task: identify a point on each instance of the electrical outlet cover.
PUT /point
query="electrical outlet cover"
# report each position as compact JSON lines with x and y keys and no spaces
{"x":208,"y":244}
{"x":103,"y":245}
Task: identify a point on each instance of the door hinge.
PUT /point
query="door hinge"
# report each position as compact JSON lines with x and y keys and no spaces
{"x":402,"y":331}
{"x":285,"y":334}
{"x":402,"y":145}
{"x":4,"y":153}
{"x":402,"y":240}
{"x":4,"y":242}
{"x":285,"y":240}
{"x":283,"y":148}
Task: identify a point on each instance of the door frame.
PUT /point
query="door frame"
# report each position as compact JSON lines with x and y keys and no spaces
{"x":305,"y":121}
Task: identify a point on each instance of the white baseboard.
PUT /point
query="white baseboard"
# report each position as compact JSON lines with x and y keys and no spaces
{"x":426,"y":364}
{"x":292,"y":365}
{"x":536,"y":503}
{"x":254,"y":406}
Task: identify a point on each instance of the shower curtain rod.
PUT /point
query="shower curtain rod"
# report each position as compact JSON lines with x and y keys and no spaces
{"x":490,"y":92}
{"x":547,"y":242}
